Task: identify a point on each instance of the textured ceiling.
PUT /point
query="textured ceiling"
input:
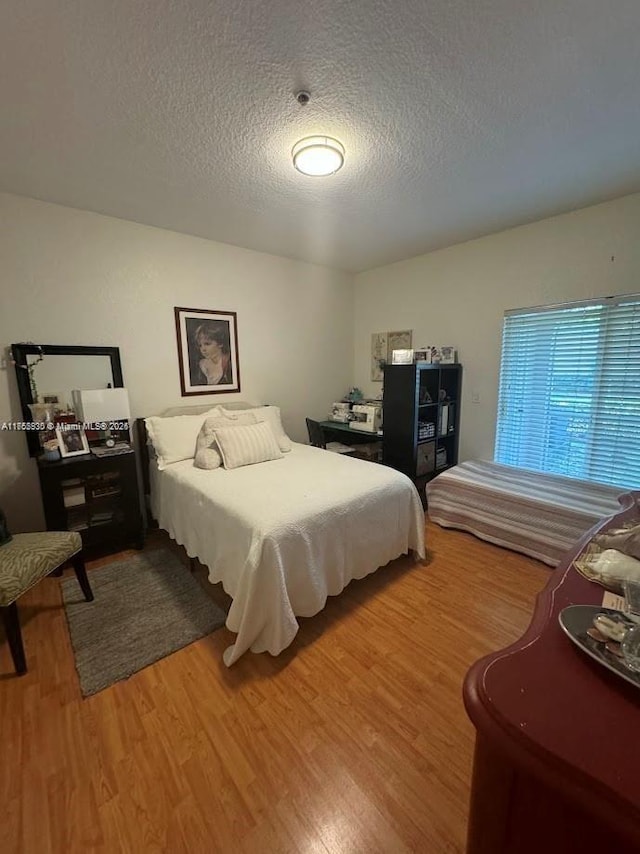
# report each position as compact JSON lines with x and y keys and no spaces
{"x":460,"y":117}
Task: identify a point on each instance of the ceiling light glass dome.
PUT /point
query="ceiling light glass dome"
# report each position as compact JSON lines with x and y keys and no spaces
{"x":318,"y":155}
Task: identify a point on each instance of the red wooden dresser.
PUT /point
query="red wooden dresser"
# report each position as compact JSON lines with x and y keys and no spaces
{"x":557,"y":757}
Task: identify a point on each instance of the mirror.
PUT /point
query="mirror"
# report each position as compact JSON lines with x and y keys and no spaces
{"x":52,"y":371}
{"x":54,"y":378}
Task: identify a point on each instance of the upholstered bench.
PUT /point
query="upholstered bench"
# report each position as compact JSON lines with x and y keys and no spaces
{"x":24,"y":561}
{"x":541,"y":515}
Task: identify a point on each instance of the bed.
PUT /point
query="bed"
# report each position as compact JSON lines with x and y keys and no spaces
{"x":283,"y":535}
{"x":540,"y":515}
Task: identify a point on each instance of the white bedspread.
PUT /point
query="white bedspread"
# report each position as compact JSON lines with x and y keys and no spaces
{"x":281,"y":536}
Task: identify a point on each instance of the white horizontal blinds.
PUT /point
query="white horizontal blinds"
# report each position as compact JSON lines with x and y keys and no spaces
{"x":569,"y":400}
{"x":616,"y":416}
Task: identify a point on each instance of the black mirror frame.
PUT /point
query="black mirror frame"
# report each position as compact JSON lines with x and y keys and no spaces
{"x":20,"y":352}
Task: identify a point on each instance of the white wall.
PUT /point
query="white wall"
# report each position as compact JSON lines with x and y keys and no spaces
{"x":73,"y":277}
{"x":457,"y":296}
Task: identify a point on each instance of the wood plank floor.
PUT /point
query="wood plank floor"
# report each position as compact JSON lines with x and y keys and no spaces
{"x":354,"y":739}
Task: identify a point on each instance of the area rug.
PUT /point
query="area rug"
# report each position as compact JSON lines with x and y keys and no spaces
{"x":145,"y":607}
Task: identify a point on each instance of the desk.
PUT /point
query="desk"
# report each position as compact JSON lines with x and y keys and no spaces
{"x":340,"y":428}
{"x":556,"y":759}
{"x":337,"y":431}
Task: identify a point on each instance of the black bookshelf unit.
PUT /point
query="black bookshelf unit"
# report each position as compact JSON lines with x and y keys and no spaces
{"x":96,"y":496}
{"x":420,"y":419}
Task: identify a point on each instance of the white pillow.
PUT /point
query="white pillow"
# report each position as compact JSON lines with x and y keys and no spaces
{"x":174,"y":438}
{"x":271,"y":414}
{"x":207,"y":458}
{"x":245,"y":446}
{"x":207,"y":455}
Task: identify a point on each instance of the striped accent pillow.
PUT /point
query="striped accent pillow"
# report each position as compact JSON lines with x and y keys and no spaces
{"x":270,"y":414}
{"x":207,"y":452}
{"x":244,"y":446}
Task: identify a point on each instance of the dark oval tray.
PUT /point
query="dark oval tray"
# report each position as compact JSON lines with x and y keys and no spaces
{"x":576,"y":619}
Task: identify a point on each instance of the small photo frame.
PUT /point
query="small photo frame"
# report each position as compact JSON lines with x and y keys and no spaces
{"x":447,"y":355}
{"x":402,"y":357}
{"x":72,"y":441}
{"x":52,"y":398}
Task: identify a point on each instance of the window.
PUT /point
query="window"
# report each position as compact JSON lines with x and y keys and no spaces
{"x":569,"y":400}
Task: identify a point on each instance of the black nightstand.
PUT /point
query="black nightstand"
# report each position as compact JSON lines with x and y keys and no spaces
{"x":96,"y":496}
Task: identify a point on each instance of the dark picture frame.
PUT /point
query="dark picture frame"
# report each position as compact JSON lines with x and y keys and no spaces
{"x":207,"y":351}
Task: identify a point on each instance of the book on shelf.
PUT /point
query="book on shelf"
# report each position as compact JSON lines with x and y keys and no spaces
{"x":77,"y":519}
{"x":105,"y":491}
{"x":101,"y":518}
{"x":446,"y":422}
{"x":443,"y":421}
{"x":73,"y":496}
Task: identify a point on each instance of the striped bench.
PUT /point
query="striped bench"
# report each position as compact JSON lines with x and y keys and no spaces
{"x":540,"y":515}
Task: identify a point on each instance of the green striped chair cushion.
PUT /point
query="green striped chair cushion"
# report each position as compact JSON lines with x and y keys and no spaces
{"x":29,"y":557}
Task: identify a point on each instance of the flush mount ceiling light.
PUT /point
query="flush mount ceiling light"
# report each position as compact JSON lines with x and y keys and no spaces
{"x":318,"y":155}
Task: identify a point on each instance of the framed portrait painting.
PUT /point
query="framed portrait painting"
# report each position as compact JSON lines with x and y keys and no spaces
{"x":207,"y":351}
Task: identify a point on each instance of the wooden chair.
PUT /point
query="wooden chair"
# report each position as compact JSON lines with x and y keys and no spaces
{"x":316,"y":438}
{"x":24,"y":561}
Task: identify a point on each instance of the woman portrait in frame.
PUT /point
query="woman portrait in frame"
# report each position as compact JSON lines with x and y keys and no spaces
{"x":207,"y":351}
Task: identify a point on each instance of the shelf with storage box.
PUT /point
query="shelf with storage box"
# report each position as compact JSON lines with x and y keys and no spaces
{"x":96,"y":496}
{"x":421,"y":413}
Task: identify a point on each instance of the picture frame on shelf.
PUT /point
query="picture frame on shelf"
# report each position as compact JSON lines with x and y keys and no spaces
{"x":399,"y":340}
{"x":437,"y":355}
{"x":72,"y":441}
{"x":207,"y":351}
{"x":52,"y":398}
{"x":402,"y":357}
